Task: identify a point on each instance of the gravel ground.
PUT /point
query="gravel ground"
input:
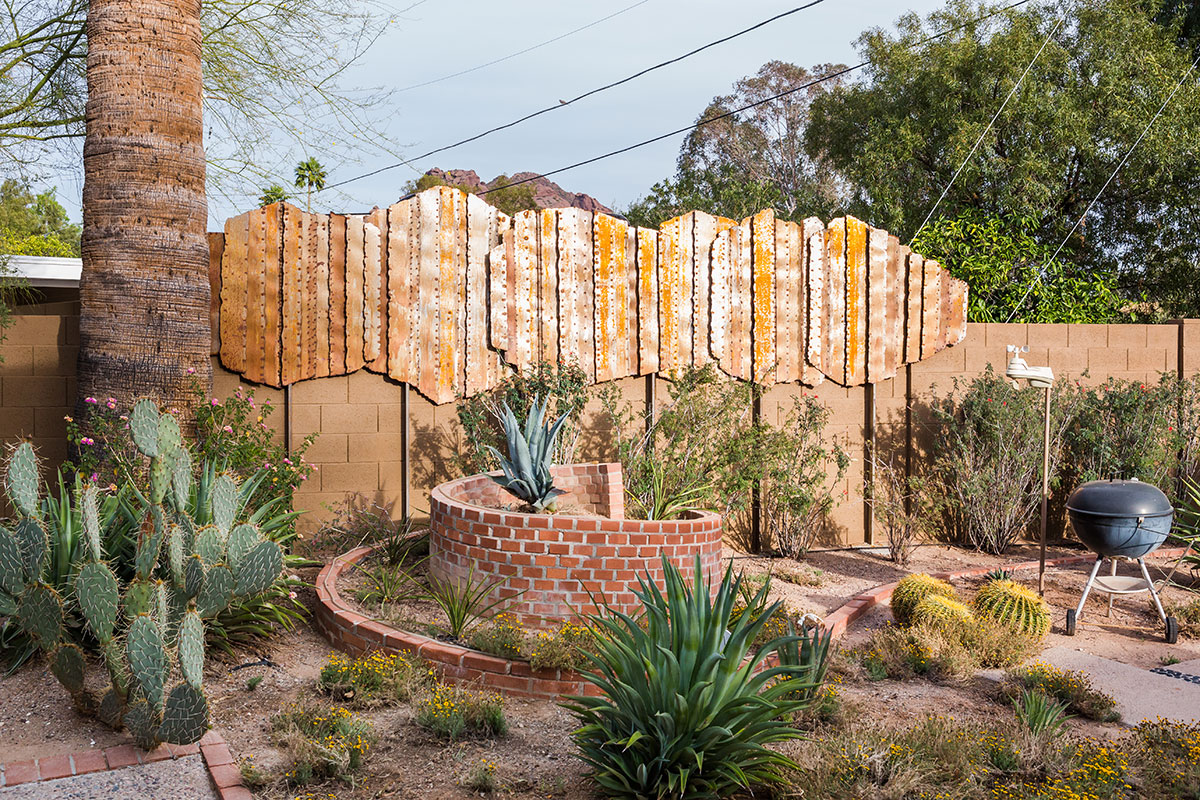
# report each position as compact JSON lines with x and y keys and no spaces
{"x":180,"y":779}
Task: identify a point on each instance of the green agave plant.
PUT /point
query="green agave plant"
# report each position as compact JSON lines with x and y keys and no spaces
{"x":686,"y":709}
{"x":527,"y":468}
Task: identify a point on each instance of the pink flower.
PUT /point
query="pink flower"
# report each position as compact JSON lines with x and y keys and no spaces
{"x":111,"y":403}
{"x":216,"y":402}
{"x":251,"y":401}
{"x":191,"y":370}
{"x":124,"y":418}
{"x":287,"y":461}
{"x":267,"y":401}
{"x":95,"y":477}
{"x":291,"y":595}
{"x":228,"y":429}
{"x":87,"y":441}
{"x":91,"y":400}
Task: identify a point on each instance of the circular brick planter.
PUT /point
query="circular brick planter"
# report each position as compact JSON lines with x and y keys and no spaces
{"x":351,"y":632}
{"x":549,"y":567}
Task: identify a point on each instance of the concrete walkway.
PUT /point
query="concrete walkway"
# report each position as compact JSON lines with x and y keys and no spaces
{"x":185,"y":777}
{"x":1141,"y":694}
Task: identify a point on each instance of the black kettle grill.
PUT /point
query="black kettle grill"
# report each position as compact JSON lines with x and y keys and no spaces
{"x":1121,"y":519}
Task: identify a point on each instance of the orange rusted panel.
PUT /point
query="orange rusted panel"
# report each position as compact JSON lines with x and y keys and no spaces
{"x":788,"y":285}
{"x":720,"y":323}
{"x":479,"y":221}
{"x":741,"y":301}
{"x":762,"y":239}
{"x":914,"y":266}
{"x":931,"y":310}
{"x":289,"y":331}
{"x":875,"y":311}
{"x":833,"y":361}
{"x":337,"y":294}
{"x":234,"y":305}
{"x":813,"y":254}
{"x":399,"y":247}
{"x":547,"y":279}
{"x":631,"y":301}
{"x":580,"y":222}
{"x":647,"y":300}
{"x":355,"y":300}
{"x":523,"y":351}
{"x":450,"y":301}
{"x":856,"y":302}
{"x":893,"y":308}
{"x":321,"y":254}
{"x":705,"y":228}
{"x":272,"y":262}
{"x":372,"y":280}
{"x":670,"y":294}
{"x":425,"y":343}
{"x":608,"y":263}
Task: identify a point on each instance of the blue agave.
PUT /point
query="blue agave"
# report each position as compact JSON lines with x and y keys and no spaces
{"x":527,"y":468}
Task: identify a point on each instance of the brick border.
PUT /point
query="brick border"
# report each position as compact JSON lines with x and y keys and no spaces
{"x":841,"y":619}
{"x":551,"y":567}
{"x":349,"y":631}
{"x":223,"y":769}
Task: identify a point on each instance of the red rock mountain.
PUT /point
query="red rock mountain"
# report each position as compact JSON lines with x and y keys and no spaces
{"x":546,"y":193}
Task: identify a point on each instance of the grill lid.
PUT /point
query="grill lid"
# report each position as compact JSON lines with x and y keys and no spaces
{"x":1117,"y":498}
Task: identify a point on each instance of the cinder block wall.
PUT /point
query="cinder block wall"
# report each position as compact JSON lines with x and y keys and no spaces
{"x":360,"y":417}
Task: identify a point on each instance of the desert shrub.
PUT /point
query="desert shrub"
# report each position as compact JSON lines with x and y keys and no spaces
{"x":565,"y":647}
{"x":359,"y":522}
{"x":502,"y":636}
{"x":482,"y":777}
{"x":914,"y":588}
{"x":323,"y":741}
{"x":375,"y":678}
{"x":995,"y":646}
{"x":896,"y":504}
{"x":1072,"y":688}
{"x":1167,"y":755}
{"x":946,"y":650}
{"x":453,"y":713}
{"x":799,"y":576}
{"x":1187,"y":615}
{"x":984,"y":478}
{"x":683,"y":712}
{"x":563,"y":385}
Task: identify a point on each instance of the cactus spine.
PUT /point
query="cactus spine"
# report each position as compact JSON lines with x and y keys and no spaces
{"x":937,"y":610}
{"x":183,"y":574}
{"x":1014,"y":606}
{"x":911,"y":590}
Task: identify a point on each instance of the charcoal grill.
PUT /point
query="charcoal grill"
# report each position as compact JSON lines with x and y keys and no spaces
{"x":1120,"y":519}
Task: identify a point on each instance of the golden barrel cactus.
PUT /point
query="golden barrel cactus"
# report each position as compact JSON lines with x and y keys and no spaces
{"x":914,"y":588}
{"x":1014,"y":606}
{"x":937,"y":611}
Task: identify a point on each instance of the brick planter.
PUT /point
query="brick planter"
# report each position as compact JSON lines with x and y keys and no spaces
{"x":551,"y":565}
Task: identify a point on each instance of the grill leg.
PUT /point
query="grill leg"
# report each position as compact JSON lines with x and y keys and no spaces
{"x":1088,"y":587}
{"x":1112,"y":571}
{"x":1150,"y":585}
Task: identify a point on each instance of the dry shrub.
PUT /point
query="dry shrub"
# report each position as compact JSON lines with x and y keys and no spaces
{"x":950,"y":651}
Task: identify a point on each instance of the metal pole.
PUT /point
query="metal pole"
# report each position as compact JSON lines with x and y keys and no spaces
{"x":1045,"y":495}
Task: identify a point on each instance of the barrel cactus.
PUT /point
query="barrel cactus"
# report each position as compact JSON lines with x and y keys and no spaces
{"x":937,"y":610}
{"x":1014,"y":606}
{"x":150,"y":628}
{"x":911,"y":590}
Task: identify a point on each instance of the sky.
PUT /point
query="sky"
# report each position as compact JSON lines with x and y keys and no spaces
{"x":437,"y":37}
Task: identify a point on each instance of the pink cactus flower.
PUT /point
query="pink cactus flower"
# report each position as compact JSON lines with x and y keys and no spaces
{"x":228,"y":429}
{"x":91,"y":400}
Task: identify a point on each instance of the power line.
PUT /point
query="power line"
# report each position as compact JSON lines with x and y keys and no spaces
{"x":523,"y":52}
{"x":564,"y":103}
{"x":1042,"y":272}
{"x":727,"y":114}
{"x":995,"y":117}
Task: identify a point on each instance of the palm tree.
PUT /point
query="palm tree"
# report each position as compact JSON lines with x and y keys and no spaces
{"x":273,"y":194}
{"x":144,"y":313}
{"x":310,"y":175}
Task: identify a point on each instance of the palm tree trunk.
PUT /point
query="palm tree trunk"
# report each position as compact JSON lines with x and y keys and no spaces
{"x":144,"y":318}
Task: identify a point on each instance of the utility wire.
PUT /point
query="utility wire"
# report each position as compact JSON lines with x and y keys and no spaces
{"x":995,"y":117}
{"x":606,"y":87}
{"x":1042,"y":272}
{"x":727,"y":114}
{"x":522,"y":52}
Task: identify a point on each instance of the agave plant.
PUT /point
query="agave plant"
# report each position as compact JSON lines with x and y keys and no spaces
{"x":527,"y":468}
{"x":685,"y":710}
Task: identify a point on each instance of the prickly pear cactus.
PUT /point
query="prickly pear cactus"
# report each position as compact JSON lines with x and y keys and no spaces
{"x":911,"y":590}
{"x":1015,"y":606}
{"x":184,"y":573}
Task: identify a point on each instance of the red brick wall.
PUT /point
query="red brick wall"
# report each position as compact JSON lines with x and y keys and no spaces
{"x":550,"y":566}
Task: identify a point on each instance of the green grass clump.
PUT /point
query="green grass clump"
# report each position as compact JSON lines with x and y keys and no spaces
{"x":1072,"y":688}
{"x":453,"y":713}
{"x":1014,"y":606}
{"x":911,"y":590}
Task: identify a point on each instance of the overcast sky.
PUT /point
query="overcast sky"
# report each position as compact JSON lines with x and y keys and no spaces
{"x":438,"y":37}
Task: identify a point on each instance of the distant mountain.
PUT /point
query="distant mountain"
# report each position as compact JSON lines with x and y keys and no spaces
{"x":546,"y":193}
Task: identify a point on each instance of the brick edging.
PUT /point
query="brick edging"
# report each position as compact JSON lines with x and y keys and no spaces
{"x":839,"y":620}
{"x":223,"y":769}
{"x":352,"y":632}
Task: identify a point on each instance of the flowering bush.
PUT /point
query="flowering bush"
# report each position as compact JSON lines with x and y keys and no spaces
{"x":502,"y":636}
{"x":1072,"y":688}
{"x":376,"y":677}
{"x":562,"y":648}
{"x":323,"y":741}
{"x":452,"y":712}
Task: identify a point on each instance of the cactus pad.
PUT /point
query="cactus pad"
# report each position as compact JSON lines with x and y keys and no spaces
{"x":209,"y":545}
{"x":67,"y":664}
{"x":191,"y":648}
{"x":114,"y":662}
{"x":242,"y":540}
{"x":143,"y":424}
{"x":193,"y":576}
{"x":170,"y":438}
{"x":259,"y":569}
{"x":224,"y":503}
{"x":21,"y":480}
{"x":175,"y":555}
{"x":98,"y":595}
{"x":31,"y":536}
{"x":90,"y":506}
{"x":149,"y":543}
{"x":911,"y":590}
{"x":12,"y":563}
{"x":139,"y":597}
{"x":1014,"y":606}
{"x":218,"y":589}
{"x":162,"y":605}
{"x":8,"y":605}
{"x":185,"y":717}
{"x":937,"y":610}
{"x":181,"y":480}
{"x":147,"y":658}
{"x":109,"y":710}
{"x":40,"y":613}
{"x":142,"y":723}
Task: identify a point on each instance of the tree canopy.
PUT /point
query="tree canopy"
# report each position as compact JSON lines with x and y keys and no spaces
{"x":34,"y":224}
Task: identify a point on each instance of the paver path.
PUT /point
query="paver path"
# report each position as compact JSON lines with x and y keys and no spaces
{"x":1140,"y":693}
{"x":173,"y":779}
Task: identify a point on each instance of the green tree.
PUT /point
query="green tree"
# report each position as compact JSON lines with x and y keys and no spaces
{"x":900,"y":132}
{"x":273,"y":82}
{"x":721,"y":191}
{"x":310,"y":174}
{"x":1013,"y":277}
{"x":273,"y":194}
{"x":34,"y":224}
{"x":508,"y":199}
